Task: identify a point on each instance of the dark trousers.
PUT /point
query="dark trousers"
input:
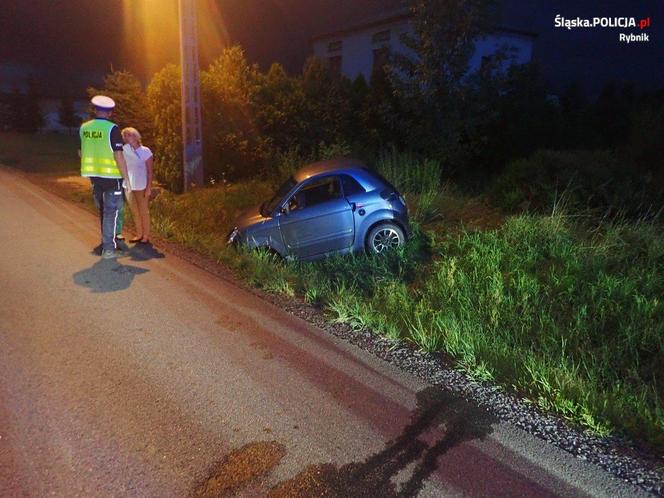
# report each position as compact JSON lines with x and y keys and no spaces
{"x":107,"y":193}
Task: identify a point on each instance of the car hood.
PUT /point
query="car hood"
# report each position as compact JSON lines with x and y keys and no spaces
{"x":249,"y":217}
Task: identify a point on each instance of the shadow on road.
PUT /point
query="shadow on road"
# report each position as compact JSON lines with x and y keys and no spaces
{"x":440,"y":422}
{"x":107,"y":275}
{"x":141,"y":252}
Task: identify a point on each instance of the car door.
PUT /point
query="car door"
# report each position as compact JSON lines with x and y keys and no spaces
{"x":317,"y":219}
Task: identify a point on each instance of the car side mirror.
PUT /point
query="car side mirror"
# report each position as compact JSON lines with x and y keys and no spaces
{"x":292,"y":204}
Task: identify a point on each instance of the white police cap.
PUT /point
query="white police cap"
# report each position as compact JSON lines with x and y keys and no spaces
{"x":103,"y":102}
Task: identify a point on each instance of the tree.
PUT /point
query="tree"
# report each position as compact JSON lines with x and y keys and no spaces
{"x":356,"y":126}
{"x":164,"y":104}
{"x":281,"y":110}
{"x":15,"y":107}
{"x":610,"y":116}
{"x":645,"y":145}
{"x":67,"y":117}
{"x":383,"y":113}
{"x":5,"y":112}
{"x":328,"y":107}
{"x":32,"y":115}
{"x":233,"y":145}
{"x":24,"y":114}
{"x":131,"y":107}
{"x":434,"y":78}
{"x":526,"y":119}
{"x":574,"y":111}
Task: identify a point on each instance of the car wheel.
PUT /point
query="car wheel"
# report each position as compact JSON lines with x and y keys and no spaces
{"x":384,"y":237}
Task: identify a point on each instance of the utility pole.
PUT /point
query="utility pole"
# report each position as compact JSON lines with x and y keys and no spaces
{"x":192,"y":140}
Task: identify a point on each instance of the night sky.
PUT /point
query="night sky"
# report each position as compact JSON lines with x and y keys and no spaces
{"x":69,"y":44}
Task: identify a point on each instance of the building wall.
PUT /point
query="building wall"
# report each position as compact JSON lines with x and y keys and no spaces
{"x":357,"y":53}
{"x":358,"y":47}
{"x":515,"y":48}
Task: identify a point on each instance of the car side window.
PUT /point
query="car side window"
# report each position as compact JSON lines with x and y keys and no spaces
{"x":317,"y":192}
{"x":351,"y":186}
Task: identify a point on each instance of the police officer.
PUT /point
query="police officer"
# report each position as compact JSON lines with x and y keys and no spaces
{"x":103,"y":162}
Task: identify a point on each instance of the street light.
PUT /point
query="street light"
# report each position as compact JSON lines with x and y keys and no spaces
{"x":192,"y":140}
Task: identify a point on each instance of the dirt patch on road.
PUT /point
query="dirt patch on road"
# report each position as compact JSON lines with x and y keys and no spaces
{"x":440,"y":423}
{"x":240,"y":467}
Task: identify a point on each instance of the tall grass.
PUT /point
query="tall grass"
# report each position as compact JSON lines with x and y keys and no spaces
{"x":602,"y":180}
{"x":409,"y":172}
{"x":418,"y":179}
{"x":574,"y":321}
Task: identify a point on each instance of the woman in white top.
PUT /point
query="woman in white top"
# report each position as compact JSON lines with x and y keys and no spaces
{"x":139,"y":168}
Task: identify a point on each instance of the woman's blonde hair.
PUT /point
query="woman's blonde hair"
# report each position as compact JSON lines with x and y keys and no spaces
{"x":131,"y":131}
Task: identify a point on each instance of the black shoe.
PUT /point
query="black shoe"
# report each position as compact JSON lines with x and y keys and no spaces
{"x":109,"y":254}
{"x":97,"y":250}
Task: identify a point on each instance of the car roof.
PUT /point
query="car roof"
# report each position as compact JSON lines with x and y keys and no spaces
{"x":314,"y":169}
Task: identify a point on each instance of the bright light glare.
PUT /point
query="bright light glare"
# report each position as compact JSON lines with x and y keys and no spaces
{"x":151,"y":35}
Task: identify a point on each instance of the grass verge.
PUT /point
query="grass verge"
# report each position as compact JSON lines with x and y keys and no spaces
{"x":564,"y":310}
{"x":567,"y":313}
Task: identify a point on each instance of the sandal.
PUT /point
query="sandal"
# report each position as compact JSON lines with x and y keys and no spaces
{"x":136,"y":240}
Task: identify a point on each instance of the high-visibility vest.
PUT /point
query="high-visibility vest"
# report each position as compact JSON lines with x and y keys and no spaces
{"x":97,"y":157}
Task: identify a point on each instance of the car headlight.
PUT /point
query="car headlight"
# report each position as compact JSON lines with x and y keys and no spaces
{"x":232,"y":237}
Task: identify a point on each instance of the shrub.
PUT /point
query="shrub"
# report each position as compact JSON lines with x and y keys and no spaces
{"x":233,"y":145}
{"x":596,"y":180}
{"x":131,"y":107}
{"x":164,"y":100}
{"x":280,"y":107}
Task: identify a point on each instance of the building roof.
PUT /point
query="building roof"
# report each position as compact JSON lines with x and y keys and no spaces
{"x":393,"y":16}
{"x":369,"y":22}
{"x":380,"y":20}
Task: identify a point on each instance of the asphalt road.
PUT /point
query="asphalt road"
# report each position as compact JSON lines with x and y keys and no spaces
{"x":147,"y":376}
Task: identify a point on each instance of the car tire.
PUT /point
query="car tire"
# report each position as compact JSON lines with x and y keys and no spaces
{"x":384,"y":237}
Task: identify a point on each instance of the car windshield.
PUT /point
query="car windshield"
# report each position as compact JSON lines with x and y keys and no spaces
{"x":268,"y":208}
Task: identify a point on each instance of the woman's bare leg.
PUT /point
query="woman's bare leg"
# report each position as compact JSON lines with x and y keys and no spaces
{"x":142,"y":202}
{"x":134,"y":197}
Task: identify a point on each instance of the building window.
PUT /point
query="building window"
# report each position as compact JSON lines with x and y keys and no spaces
{"x":334,"y":63}
{"x":381,"y":37}
{"x":335,"y":46}
{"x":381,"y":56}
